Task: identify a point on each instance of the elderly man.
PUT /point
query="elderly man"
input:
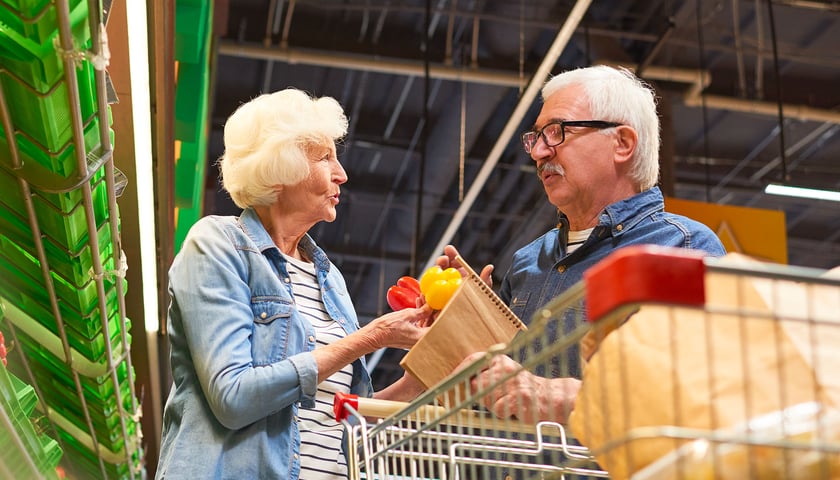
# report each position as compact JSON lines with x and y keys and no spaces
{"x":596,"y":147}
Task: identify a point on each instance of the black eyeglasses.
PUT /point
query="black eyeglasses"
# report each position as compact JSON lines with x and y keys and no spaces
{"x":554,"y":133}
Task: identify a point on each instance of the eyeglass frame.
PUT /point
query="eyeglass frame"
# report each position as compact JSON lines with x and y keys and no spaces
{"x":598,"y":124}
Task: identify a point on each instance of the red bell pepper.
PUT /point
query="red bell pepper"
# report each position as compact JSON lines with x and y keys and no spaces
{"x":404,"y":294}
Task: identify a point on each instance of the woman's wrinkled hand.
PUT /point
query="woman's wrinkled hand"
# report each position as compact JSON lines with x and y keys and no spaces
{"x":401,"y":329}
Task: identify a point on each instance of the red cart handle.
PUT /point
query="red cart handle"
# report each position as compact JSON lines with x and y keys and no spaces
{"x":645,"y":274}
{"x":339,"y":402}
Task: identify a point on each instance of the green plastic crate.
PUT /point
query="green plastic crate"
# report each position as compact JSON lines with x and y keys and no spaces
{"x":66,"y":222}
{"x":17,"y":228}
{"x":192,"y":23}
{"x":83,"y":335}
{"x":60,"y":392}
{"x":25,"y":394}
{"x":85,"y":464}
{"x":26,"y":271}
{"x":75,"y":267}
{"x":37,"y":64}
{"x":63,"y":201}
{"x":38,"y":447}
{"x":57,"y":386}
{"x":45,"y":118}
{"x":99,"y":388}
{"x":41,"y":164}
{"x":87,"y":331}
{"x":38,"y":21}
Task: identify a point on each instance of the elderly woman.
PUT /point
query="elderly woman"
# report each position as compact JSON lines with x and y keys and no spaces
{"x":263,"y":332}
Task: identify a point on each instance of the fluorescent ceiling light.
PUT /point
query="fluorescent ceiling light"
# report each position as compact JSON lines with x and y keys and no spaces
{"x":141,"y":109}
{"x":801,"y":192}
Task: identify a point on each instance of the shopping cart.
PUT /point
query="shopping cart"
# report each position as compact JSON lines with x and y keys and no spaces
{"x":693,"y":368}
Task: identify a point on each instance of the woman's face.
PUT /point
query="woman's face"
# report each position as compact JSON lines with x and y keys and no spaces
{"x":315,"y":198}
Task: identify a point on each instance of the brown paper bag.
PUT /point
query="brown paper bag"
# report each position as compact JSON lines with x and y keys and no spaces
{"x":473,"y":320}
{"x":704,"y":368}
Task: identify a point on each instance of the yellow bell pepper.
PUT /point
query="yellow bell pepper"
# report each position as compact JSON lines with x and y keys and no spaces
{"x":438,"y":285}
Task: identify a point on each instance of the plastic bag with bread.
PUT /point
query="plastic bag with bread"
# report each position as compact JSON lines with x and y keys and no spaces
{"x":754,"y":452}
{"x":706,"y":368}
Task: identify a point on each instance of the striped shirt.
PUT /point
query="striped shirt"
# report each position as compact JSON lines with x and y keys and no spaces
{"x":576,"y":239}
{"x":320,"y":434}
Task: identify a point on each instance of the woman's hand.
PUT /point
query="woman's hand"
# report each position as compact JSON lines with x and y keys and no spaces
{"x":400,"y":329}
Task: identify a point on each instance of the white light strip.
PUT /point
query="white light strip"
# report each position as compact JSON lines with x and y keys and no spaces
{"x":141,"y":111}
{"x":775,"y":189}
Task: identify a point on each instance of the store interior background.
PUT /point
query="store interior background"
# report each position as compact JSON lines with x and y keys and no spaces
{"x":369,"y":55}
{"x":432,"y":154}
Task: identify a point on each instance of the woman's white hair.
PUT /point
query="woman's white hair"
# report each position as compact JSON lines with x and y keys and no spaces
{"x":617,"y":95}
{"x":266,"y":142}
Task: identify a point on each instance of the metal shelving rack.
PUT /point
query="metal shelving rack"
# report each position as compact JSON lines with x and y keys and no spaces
{"x":63,"y":291}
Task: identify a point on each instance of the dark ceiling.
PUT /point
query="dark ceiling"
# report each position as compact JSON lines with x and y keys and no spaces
{"x":721,"y":147}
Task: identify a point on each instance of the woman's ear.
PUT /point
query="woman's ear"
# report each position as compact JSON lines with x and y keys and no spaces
{"x":626,"y":141}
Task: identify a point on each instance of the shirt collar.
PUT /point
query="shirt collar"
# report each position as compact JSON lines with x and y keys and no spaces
{"x":625,"y":214}
{"x":620,"y":216}
{"x":254,"y":228}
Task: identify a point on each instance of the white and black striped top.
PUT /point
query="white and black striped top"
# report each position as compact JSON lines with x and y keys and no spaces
{"x":320,"y":434}
{"x":576,"y":239}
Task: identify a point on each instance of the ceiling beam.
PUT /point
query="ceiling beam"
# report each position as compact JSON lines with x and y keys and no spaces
{"x":371,"y":63}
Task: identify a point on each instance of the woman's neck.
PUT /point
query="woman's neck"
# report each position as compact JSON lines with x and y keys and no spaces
{"x":284,"y":231}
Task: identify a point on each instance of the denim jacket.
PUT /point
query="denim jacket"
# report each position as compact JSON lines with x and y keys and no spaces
{"x":241,"y":353}
{"x":542,"y":270}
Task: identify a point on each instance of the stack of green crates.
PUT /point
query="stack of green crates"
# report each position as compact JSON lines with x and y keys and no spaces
{"x":36,"y":89}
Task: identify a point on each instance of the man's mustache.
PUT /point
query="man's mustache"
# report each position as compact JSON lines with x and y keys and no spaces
{"x":550,"y":168}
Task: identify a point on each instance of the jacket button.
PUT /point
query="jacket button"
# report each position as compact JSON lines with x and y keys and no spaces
{"x":287,"y":280}
{"x":311,"y":339}
{"x":619,"y":227}
{"x":561,"y":268}
{"x":263,"y":315}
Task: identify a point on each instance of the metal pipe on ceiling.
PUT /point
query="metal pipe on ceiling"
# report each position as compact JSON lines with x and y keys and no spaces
{"x":759,"y":59}
{"x":815,"y":5}
{"x":697,"y":79}
{"x":739,"y":55}
{"x":370,"y":64}
{"x":799,"y":112}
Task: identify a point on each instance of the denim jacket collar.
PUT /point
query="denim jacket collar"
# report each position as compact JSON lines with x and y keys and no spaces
{"x":625,"y":214}
{"x":616,"y":218}
{"x":254,"y":228}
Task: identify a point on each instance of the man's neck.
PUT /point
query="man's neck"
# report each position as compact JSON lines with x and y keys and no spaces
{"x":584,"y":217}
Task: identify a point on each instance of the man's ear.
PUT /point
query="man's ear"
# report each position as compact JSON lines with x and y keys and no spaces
{"x":626,"y":141}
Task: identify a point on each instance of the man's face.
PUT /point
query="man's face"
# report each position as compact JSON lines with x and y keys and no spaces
{"x":575,"y":171}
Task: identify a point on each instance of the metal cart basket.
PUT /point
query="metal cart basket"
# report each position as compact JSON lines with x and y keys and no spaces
{"x":691,"y":368}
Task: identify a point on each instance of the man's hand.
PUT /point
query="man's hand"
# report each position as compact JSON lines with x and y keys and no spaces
{"x":524,"y":396}
{"x":449,"y":259}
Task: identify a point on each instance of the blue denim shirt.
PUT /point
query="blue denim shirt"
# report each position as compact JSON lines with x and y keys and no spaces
{"x":241,"y":353}
{"x":542,"y":269}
